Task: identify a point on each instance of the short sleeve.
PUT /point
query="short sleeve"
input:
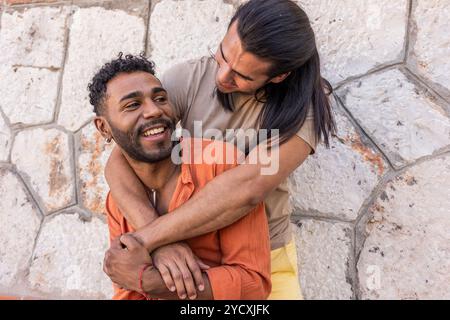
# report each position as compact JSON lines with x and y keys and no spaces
{"x":308,"y":134}
{"x":178,"y":83}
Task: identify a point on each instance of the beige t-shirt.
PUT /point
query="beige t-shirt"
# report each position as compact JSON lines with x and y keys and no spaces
{"x":191,"y":89}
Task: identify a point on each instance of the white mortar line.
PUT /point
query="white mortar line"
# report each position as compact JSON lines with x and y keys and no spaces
{"x":408,"y":31}
{"x":378,"y":69}
{"x":362,"y":132}
{"x":63,"y":66}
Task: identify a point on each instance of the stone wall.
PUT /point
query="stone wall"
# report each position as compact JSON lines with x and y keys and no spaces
{"x":371,"y":214}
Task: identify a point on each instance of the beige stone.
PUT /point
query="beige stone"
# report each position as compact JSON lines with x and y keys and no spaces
{"x":404,"y":120}
{"x":44,"y":157}
{"x":324,"y":251}
{"x":34,"y":37}
{"x":93,"y":154}
{"x":96,"y":36}
{"x":20,"y":221}
{"x":430,"y":43}
{"x":75,"y":271}
{"x":183,"y":30}
{"x":317,"y":186}
{"x":407,"y":252}
{"x":28,"y":94}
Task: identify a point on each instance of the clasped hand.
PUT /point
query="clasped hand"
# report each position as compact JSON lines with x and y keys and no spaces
{"x":180,"y":269}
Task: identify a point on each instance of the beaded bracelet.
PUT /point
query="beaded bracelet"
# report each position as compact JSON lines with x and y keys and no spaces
{"x":141,"y":274}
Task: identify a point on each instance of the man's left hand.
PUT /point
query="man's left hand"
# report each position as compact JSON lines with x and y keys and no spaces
{"x":123,"y":265}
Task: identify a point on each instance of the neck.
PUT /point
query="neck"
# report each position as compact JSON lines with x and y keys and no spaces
{"x":153,"y":175}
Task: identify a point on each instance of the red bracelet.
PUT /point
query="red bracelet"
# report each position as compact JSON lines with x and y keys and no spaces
{"x":141,"y":274}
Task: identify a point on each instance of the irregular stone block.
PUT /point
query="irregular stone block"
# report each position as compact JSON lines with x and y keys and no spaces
{"x":96,"y":36}
{"x":351,"y":35}
{"x":20,"y":222}
{"x":68,"y":259}
{"x":317,"y":185}
{"x":183,"y":30}
{"x":34,"y":37}
{"x":407,"y":253}
{"x":93,"y":154}
{"x":324,"y":251}
{"x":430,"y":43}
{"x":28,"y":94}
{"x":404,"y":120}
{"x":44,"y":156}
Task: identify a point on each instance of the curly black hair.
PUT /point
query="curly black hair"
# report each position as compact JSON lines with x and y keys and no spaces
{"x":123,"y":64}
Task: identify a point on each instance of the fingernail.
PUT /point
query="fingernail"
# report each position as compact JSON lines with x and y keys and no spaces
{"x":172,"y":289}
{"x":201,"y":287}
{"x":183,"y":296}
{"x":193,"y":297}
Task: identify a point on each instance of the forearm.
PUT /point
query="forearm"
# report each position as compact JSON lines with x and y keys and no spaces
{"x":128,"y":191}
{"x":220,"y":203}
{"x":155,"y":287}
{"x":225,"y":199}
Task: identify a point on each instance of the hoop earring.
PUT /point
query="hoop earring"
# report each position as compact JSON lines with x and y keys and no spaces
{"x":108,"y":140}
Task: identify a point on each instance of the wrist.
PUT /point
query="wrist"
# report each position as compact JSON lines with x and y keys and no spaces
{"x":143,"y":280}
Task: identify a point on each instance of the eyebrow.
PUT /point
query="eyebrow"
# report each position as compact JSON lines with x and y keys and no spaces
{"x":137,"y":94}
{"x":238,"y":73}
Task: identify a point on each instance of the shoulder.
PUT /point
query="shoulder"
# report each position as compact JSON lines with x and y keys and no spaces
{"x":209,"y":152}
{"x":193,"y":69}
{"x":210,"y":157}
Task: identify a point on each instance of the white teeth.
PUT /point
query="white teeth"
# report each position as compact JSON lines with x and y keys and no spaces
{"x":152,"y":132}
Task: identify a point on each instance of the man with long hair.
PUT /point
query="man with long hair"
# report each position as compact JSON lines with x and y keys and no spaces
{"x":265,"y":74}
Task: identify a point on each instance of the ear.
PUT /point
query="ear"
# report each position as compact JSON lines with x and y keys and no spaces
{"x":280,"y":78}
{"x":103,"y":127}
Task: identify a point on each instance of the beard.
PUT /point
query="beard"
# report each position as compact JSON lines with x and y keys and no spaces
{"x":130,"y":143}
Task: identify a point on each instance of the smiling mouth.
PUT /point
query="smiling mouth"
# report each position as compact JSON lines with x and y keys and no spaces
{"x":154,"y":131}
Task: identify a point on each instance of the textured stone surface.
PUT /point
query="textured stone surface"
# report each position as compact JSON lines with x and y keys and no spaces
{"x":33,"y":37}
{"x":96,"y":36}
{"x":5,"y":140}
{"x":324,"y":251}
{"x":28,"y":95}
{"x":407,"y":252}
{"x":317,"y":185}
{"x":76,"y":270}
{"x":405,"y":121}
{"x":431,"y":29}
{"x":29,"y":1}
{"x":20,"y":221}
{"x":93,"y":154}
{"x":43,"y":155}
{"x":352,"y":37}
{"x":174,"y":36}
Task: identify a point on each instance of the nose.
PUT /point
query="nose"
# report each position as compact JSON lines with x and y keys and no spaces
{"x":151,"y":110}
{"x":225,"y":75}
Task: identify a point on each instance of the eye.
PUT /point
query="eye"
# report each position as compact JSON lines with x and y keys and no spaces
{"x":160,"y":99}
{"x":132,"y":106}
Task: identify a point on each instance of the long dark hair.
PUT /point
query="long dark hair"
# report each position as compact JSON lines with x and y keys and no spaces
{"x":279,"y":31}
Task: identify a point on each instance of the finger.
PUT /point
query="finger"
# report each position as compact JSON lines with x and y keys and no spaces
{"x":196,"y":273}
{"x":115,"y":244}
{"x":201,"y":264}
{"x":130,"y":242}
{"x":166,"y":276}
{"x":188,"y":280}
{"x":178,"y":280}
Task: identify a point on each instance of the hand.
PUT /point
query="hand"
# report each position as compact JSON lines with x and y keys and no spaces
{"x":180,"y":268}
{"x":123,"y":265}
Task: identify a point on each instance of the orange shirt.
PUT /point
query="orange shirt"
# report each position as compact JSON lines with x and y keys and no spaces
{"x":239,"y":255}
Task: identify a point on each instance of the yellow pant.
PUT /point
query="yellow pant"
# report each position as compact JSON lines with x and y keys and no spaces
{"x":285,"y":285}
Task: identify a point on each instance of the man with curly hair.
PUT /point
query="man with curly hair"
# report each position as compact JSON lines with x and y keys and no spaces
{"x":133,"y":109}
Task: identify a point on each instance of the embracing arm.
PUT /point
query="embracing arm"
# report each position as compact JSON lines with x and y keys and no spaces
{"x":224,"y":200}
{"x":128,"y":191}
